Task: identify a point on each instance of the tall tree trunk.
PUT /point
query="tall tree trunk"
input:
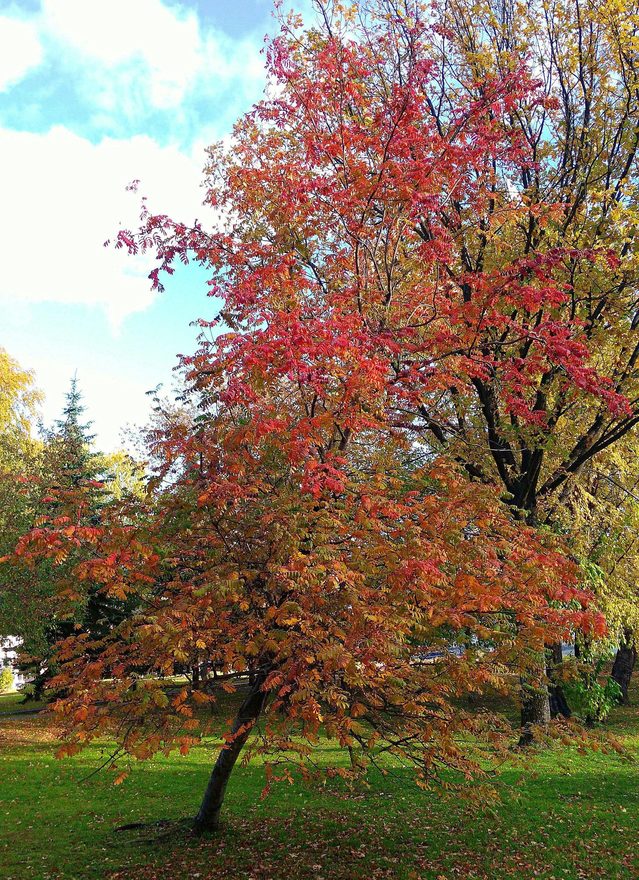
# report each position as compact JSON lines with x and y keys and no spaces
{"x":535,"y":698}
{"x":208,"y":817}
{"x":624,"y":664}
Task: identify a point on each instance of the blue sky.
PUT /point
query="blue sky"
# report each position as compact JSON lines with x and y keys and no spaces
{"x":92,"y":96}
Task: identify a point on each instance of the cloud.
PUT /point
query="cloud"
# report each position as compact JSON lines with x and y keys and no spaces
{"x":117,"y":69}
{"x":159,"y":46}
{"x":20,"y":50}
{"x":64,"y":196}
{"x":130,"y":58}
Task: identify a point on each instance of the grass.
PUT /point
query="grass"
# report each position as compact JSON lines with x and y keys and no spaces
{"x":14,"y":702}
{"x":569,"y":816}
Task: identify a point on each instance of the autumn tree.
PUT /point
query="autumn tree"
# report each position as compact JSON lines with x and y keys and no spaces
{"x":19,"y":399}
{"x":19,"y":468}
{"x":600,"y":511}
{"x":455,"y":190}
{"x":307,"y":536}
{"x":311,"y":576}
{"x":575,"y":203}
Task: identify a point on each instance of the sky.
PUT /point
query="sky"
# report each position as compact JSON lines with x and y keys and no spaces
{"x":94,"y":95}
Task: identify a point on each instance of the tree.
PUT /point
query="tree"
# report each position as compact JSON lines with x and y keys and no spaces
{"x":306,"y":535}
{"x":579,"y":192}
{"x":71,"y":487}
{"x":458,"y":195}
{"x":600,"y":511}
{"x":72,"y":462}
{"x":19,"y":469}
{"x":310,"y":582}
{"x":6,"y":680}
{"x":19,"y":401}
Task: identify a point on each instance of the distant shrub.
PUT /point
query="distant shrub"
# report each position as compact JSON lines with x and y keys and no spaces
{"x":6,"y":680}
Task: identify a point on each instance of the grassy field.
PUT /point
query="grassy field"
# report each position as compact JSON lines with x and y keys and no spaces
{"x":569,"y":816}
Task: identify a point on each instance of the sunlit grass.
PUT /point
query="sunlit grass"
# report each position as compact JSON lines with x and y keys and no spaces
{"x":569,"y":815}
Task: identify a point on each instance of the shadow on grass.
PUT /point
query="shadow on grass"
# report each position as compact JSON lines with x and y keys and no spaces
{"x":569,"y":816}
{"x":573,"y":807}
{"x":559,"y":826}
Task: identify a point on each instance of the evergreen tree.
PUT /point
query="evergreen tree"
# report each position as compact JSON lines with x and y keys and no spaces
{"x":73,"y":463}
{"x":74,"y":478}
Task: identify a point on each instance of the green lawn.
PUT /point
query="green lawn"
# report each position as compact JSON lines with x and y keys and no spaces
{"x":568,"y":817}
{"x":14,"y":702}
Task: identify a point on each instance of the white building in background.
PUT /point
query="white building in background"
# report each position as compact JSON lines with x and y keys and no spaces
{"x":8,"y":656}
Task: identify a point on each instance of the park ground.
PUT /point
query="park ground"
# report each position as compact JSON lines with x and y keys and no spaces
{"x":567,"y":816}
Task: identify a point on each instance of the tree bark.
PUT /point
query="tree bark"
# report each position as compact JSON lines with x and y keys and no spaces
{"x":557,"y":698}
{"x":541,"y":703}
{"x":558,"y":702}
{"x":208,"y":817}
{"x":624,"y":664}
{"x":535,"y":709}
{"x":535,"y":698}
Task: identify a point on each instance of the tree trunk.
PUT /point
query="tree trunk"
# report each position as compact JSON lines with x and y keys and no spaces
{"x":535,"y":709}
{"x":545,"y":701}
{"x":208,"y":817}
{"x":558,"y":702}
{"x":535,"y":698}
{"x":624,"y":664}
{"x":557,"y":698}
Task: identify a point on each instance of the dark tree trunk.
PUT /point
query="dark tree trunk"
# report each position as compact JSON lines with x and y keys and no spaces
{"x":535,"y":699}
{"x":624,"y":664}
{"x":208,"y":817}
{"x":557,"y":698}
{"x":558,"y":702}
{"x":535,"y":709}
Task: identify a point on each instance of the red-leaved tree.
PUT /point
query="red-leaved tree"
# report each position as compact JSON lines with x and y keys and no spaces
{"x":306,"y":540}
{"x":400,"y":196}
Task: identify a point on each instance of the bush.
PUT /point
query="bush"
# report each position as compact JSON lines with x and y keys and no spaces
{"x":592,"y":700}
{"x":6,"y":680}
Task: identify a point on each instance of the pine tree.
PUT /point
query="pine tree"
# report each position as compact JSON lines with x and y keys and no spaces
{"x":74,"y":464}
{"x":74,"y":482}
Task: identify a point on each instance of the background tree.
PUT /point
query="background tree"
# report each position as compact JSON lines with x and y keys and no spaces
{"x":73,"y":486}
{"x":6,"y":680}
{"x":19,"y":399}
{"x":578,"y":194}
{"x":600,"y":512}
{"x":19,"y":470}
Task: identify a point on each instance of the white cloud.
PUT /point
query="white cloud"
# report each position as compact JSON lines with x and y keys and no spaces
{"x":64,"y":196}
{"x":20,"y":50}
{"x":119,"y":29}
{"x":127,"y":58}
{"x":134,"y":53}
{"x":160,"y":45}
